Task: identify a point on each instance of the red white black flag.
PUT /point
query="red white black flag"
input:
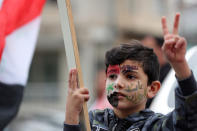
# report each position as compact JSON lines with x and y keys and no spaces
{"x":19,"y":26}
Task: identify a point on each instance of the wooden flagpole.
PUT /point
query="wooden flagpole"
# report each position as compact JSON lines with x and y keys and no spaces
{"x":72,"y":53}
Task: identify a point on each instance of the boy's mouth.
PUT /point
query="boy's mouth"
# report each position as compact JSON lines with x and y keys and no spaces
{"x":121,"y":94}
{"x":117,"y":94}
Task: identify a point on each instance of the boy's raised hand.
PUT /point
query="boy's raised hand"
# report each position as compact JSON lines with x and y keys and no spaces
{"x":75,"y":99}
{"x":174,"y":48}
{"x":174,"y":45}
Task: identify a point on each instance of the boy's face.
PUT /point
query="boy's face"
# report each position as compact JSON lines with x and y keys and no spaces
{"x":126,"y":85}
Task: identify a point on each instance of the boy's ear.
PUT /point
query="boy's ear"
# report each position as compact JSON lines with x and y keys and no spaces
{"x":153,"y":89}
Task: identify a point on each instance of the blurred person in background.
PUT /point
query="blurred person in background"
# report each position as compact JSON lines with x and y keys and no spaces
{"x":101,"y":101}
{"x":156,"y":43}
{"x":19,"y":27}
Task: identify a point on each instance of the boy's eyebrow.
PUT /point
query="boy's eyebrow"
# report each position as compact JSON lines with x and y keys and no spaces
{"x":128,"y":68}
{"x":113,"y":69}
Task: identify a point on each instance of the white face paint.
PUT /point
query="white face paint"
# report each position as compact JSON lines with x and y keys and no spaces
{"x":111,"y":87}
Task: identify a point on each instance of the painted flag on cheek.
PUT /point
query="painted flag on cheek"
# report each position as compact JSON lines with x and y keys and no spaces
{"x":19,"y":27}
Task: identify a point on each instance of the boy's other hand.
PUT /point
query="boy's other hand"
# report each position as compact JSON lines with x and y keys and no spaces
{"x":174,"y":48}
{"x":75,"y":99}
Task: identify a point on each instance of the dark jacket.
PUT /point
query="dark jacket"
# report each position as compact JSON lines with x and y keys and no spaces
{"x":183,"y":118}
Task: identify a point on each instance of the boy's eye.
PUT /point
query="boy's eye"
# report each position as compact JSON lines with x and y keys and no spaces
{"x":130,"y":77}
{"x":112,"y":76}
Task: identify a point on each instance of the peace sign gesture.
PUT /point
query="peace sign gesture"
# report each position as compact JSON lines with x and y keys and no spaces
{"x":174,"y":46}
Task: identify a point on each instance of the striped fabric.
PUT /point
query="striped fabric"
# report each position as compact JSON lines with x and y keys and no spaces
{"x":19,"y":27}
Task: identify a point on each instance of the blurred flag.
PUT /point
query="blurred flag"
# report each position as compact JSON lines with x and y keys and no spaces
{"x":19,"y":26}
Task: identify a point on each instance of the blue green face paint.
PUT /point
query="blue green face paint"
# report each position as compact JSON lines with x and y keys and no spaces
{"x":137,"y":97}
{"x":110,"y":88}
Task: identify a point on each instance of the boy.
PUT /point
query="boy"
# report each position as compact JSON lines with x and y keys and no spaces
{"x":132,"y":72}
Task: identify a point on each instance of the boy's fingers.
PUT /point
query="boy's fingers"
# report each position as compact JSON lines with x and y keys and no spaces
{"x":72,"y":79}
{"x":84,"y":94}
{"x":69,"y":79}
{"x":176,"y":24}
{"x":168,"y":36}
{"x":176,"y":38}
{"x":180,"y":43}
{"x":169,"y":44}
{"x":75,"y":79}
{"x":86,"y":97}
{"x":83,"y":91}
{"x":164,"y":25}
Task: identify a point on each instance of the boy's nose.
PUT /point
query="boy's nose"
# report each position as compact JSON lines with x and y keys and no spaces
{"x":119,"y":84}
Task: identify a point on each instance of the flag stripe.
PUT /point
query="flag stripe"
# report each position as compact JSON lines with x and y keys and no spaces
{"x":2,"y":33}
{"x":20,"y":13}
{"x":18,"y":52}
{"x":15,"y":13}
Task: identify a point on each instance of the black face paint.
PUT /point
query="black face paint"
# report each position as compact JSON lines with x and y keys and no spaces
{"x":113,"y":99}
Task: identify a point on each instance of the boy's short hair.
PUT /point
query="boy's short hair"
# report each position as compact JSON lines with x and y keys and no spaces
{"x":135,"y":51}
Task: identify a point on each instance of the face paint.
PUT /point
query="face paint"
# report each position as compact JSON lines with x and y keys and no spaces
{"x":139,"y":85}
{"x":130,"y":89}
{"x":113,"y":69}
{"x":145,"y":92}
{"x":128,"y":76}
{"x":132,"y":98}
{"x":127,"y":68}
{"x":113,"y":99}
{"x":112,"y":95}
{"x":110,"y":88}
{"x":137,"y":97}
{"x":112,"y":73}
